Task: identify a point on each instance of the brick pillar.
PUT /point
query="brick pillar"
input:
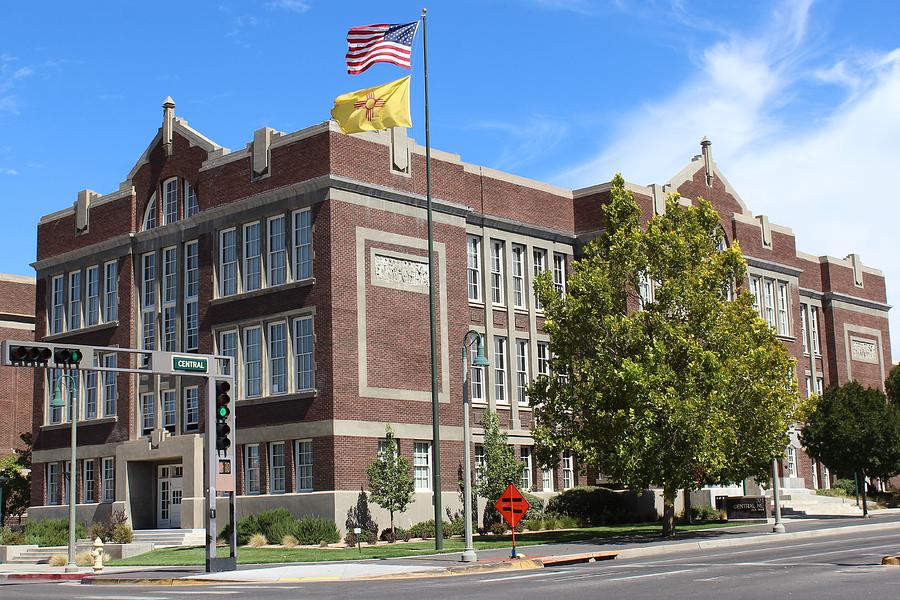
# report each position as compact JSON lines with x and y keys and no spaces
{"x":289,"y":475}
{"x":263,"y":467}
{"x":239,"y":469}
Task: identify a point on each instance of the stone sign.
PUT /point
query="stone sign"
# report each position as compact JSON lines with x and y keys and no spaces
{"x":399,"y":273}
{"x":746,"y":507}
{"x":863,"y":351}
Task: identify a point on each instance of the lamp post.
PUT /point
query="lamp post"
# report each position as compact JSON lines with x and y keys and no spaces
{"x":58,"y":402}
{"x":471,"y":337}
{"x":778,"y":527}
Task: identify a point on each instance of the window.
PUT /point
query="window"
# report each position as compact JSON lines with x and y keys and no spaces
{"x":148,"y":301}
{"x":422,"y":465}
{"x":228,"y":262}
{"x":110,"y":290}
{"x":148,"y":413}
{"x":276,"y":468}
{"x":171,"y":201}
{"x":559,"y":273}
{"x":756,"y":290}
{"x":645,"y":291}
{"x":55,"y":384}
{"x":543,"y":359}
{"x":252,"y":257}
{"x":500,"y":370}
{"x":522,"y":372}
{"x":90,"y":393}
{"x":56,"y":304}
{"x":791,"y":462}
{"x":814,"y":319}
{"x":304,"y":466}
{"x":88,"y":479}
{"x":303,"y":350}
{"x":518,"y":276}
{"x":252,"y":362}
{"x":526,"y":468}
{"x":820,"y":385}
{"x":52,"y":483}
{"x":303,"y":244}
{"x":783,"y":325}
{"x":228,"y":347}
{"x":75,"y":300}
{"x":473,"y":268}
{"x":169,"y":295}
{"x":277,"y":261}
{"x":809,"y":388}
{"x":476,"y":380}
{"x":770,"y":302}
{"x":251,"y":469}
{"x":540,"y":265}
{"x":92,"y":307}
{"x":191,"y":296}
{"x":277,"y":358}
{"x":192,"y":205}
{"x":568,"y":471}
{"x":480,"y":462}
{"x":150,"y":214}
{"x":110,"y":388}
{"x":803,"y":308}
{"x":191,"y":408}
{"x":169,"y":407}
{"x":547,"y":479}
{"x":109,"y":479}
{"x":497,"y":283}
{"x":67,"y":479}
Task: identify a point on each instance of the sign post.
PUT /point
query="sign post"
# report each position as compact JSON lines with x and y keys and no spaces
{"x":512,"y":505}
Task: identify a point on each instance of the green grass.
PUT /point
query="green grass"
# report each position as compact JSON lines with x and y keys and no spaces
{"x":246,"y":555}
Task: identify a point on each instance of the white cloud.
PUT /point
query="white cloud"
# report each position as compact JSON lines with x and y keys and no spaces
{"x":5,"y":171}
{"x":297,"y":6}
{"x":829,"y":179}
{"x":525,"y":142}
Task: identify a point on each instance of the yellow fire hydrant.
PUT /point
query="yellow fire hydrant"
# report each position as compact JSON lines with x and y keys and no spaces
{"x":97,"y":555}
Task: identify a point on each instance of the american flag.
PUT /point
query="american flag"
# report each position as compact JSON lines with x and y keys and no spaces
{"x":369,"y":44}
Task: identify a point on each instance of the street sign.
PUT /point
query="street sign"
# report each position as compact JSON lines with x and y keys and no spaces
{"x":190,"y":364}
{"x":512,"y":505}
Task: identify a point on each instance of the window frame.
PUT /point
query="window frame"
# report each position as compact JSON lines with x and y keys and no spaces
{"x":170,"y":196}
{"x":92,"y":301}
{"x":299,"y":370}
{"x":568,"y":470}
{"x":419,"y":466}
{"x":74,"y":305}
{"x":191,"y":339}
{"x":57,"y":316}
{"x":271,"y":255}
{"x":190,"y":406}
{"x":150,"y":220}
{"x":246,"y":363}
{"x":559,"y":273}
{"x":108,"y":484}
{"x":273,"y":468}
{"x":148,"y":301}
{"x":191,"y":200}
{"x":169,"y":300}
{"x":522,"y":379}
{"x":539,"y":266}
{"x":111,"y":291}
{"x":501,"y":351}
{"x":302,"y":467}
{"x":473,"y":268}
{"x":498,"y":275}
{"x":110,"y":382}
{"x":87,"y":485}
{"x":302,"y":243}
{"x":168,"y":400}
{"x":250,"y":470}
{"x":54,"y":489}
{"x":251,"y":259}
{"x":271,"y":358}
{"x":224,"y":277}
{"x":518,"y":275}
{"x":147,"y":413}
{"x":527,"y":477}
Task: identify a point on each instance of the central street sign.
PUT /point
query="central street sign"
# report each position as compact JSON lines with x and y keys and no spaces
{"x":513,"y":506}
{"x":190,"y":364}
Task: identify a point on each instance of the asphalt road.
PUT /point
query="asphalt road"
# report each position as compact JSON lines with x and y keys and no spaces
{"x":840,"y":567}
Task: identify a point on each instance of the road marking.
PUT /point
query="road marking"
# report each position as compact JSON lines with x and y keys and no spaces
{"x":711,"y":578}
{"x":218,"y":591}
{"x":650,"y":575}
{"x":122,"y":597}
{"x":842,"y":550}
{"x":510,"y":578}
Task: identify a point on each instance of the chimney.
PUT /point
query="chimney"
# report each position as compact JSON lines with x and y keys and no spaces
{"x":168,"y":124}
{"x":706,"y":151}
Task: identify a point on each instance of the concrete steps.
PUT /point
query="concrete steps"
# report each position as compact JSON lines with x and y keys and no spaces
{"x":38,"y":556}
{"x":161,"y":538}
{"x":804,"y":502}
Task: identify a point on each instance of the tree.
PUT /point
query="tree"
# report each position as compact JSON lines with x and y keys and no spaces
{"x":501,"y":467}
{"x":15,"y":471}
{"x":679,"y":389}
{"x":855,"y":430}
{"x":892,"y":386}
{"x":390,"y":482}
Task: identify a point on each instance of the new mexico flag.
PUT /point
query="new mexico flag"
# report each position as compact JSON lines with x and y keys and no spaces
{"x":379,"y":107}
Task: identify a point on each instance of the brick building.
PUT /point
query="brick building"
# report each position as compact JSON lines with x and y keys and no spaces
{"x":303,"y":256}
{"x":16,"y":385}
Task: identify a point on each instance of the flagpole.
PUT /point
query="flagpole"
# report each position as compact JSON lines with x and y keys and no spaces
{"x":435,"y":407}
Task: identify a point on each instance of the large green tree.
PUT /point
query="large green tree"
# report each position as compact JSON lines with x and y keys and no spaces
{"x":391,"y":485}
{"x":855,"y":430}
{"x":683,"y":389}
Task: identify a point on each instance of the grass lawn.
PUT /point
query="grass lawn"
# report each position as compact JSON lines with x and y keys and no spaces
{"x":246,"y":555}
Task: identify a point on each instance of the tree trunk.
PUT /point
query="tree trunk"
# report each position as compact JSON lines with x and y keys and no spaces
{"x":393,"y":532}
{"x":862,"y":491}
{"x":668,"y":528}
{"x":688,"y":516}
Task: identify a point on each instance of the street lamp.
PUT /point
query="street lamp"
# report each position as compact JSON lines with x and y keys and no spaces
{"x":778,"y":527}
{"x":471,"y":337}
{"x":58,"y":402}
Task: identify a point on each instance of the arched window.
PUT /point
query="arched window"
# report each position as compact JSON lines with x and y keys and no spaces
{"x":150,"y":214}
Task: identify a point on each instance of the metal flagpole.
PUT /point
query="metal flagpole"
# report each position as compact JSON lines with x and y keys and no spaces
{"x":435,"y":416}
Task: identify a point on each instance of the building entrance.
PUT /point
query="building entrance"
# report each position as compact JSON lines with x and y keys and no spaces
{"x":169,"y":494}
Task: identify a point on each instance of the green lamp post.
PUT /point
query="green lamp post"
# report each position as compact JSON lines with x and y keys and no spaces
{"x":480,"y":360}
{"x":57,"y":401}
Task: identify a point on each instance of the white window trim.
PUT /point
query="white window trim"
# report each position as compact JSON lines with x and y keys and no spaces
{"x":223,"y":264}
{"x":518,"y":276}
{"x":168,"y":306}
{"x":148,"y":311}
{"x":57,"y":284}
{"x":109,"y":360}
{"x":501,"y":368}
{"x":286,"y":371}
{"x":298,"y":446}
{"x":91,"y":315}
{"x":427,"y":465}
{"x":296,"y":218}
{"x":87,"y":486}
{"x":498,"y":278}
{"x":143,"y":414}
{"x":245,"y":258}
{"x":110,"y":292}
{"x":539,"y":263}
{"x":270,"y":253}
{"x":191,"y":300}
{"x":522,"y":378}
{"x":473,"y":271}
{"x":148,"y":212}
{"x":568,"y":471}
{"x":165,"y":192}
{"x":53,"y":479}
{"x":75,"y":317}
{"x":295,"y":371}
{"x":108,"y":485}
{"x":190,"y":192}
{"x":247,"y":479}
{"x":271,"y":482}
{"x":559,"y":273}
{"x":261,"y":360}
{"x":525,"y":456}
{"x":190,"y":425}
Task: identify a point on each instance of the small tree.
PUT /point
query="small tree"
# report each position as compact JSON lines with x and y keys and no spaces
{"x":15,"y":471}
{"x":501,"y":467}
{"x":855,"y":430}
{"x":390,"y":481}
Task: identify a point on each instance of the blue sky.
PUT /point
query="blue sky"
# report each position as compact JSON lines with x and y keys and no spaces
{"x":801,"y":99}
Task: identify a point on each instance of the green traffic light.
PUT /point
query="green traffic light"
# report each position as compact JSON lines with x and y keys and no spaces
{"x":223,"y":412}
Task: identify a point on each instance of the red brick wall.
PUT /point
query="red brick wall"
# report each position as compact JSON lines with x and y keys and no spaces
{"x":16,"y":384}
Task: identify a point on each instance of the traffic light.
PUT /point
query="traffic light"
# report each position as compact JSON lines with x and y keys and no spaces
{"x":67,"y":357}
{"x":223,"y":412}
{"x":25,"y":354}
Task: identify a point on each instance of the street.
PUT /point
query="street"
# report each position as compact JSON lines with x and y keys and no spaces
{"x":839,"y":566}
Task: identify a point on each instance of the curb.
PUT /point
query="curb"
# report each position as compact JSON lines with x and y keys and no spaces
{"x":169,"y":581}
{"x":43,"y":576}
{"x":892,"y":561}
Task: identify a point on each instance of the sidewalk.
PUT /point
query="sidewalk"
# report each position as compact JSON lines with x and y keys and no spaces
{"x":533,"y":557}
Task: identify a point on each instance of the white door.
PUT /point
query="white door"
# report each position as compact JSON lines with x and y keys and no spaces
{"x":169,"y":493}
{"x":175,"y":504}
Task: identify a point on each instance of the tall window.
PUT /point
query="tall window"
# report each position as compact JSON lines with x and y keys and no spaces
{"x":169,"y":295}
{"x":276,"y":468}
{"x":75,"y":300}
{"x":304,"y":466}
{"x":277,"y":358}
{"x":518,"y":276}
{"x":756,"y":290}
{"x":522,"y":372}
{"x":526,"y":468}
{"x":480,"y":462}
{"x":109,"y":479}
{"x":228,"y":262}
{"x":497,"y":283}
{"x":90,"y":393}
{"x":54,"y":386}
{"x":540,"y":265}
{"x":191,"y":296}
{"x":277,"y":261}
{"x":500,"y":369}
{"x":192,"y":205}
{"x":303,"y":351}
{"x":148,"y":301}
{"x":543,"y":359}
{"x":302,"y":244}
{"x":92,"y":299}
{"x":252,"y":362}
{"x":191,"y":408}
{"x":56,"y":304}
{"x":547,"y":479}
{"x":53,"y":483}
{"x":803,"y":330}
{"x":148,"y":413}
{"x":111,"y":291}
{"x":770,"y":302}
{"x":88,"y":479}
{"x":110,"y":388}
{"x":791,"y":462}
{"x":150,"y":214}
{"x":169,"y":407}
{"x":476,"y":379}
{"x":252,"y":258}
{"x":473,"y":267}
{"x":228,"y":347}
{"x":559,"y":273}
{"x":422,"y":465}
{"x":783,"y":325}
{"x":171,"y":201}
{"x":568,"y":471}
{"x":814,"y":319}
{"x":251,"y":469}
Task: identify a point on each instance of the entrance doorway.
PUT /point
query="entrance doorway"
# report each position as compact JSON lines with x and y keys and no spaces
{"x":169,"y":493}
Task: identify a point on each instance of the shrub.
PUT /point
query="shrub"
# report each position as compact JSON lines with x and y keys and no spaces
{"x":51,"y":532}
{"x":289,"y":541}
{"x":315,"y":530}
{"x":59,"y":560}
{"x":360,"y":516}
{"x":498,"y":528}
{"x":535,"y":506}
{"x":277,"y":523}
{"x":550,"y":522}
{"x":10,"y":537}
{"x":848,"y":486}
{"x":566,"y":522}
{"x":425,"y":529}
{"x":257,"y":540}
{"x":533,"y":524}
{"x":113,"y":528}
{"x":704,"y":512}
{"x":587,"y":504}
{"x":122,"y":534}
{"x":365,"y":537}
{"x":392,"y":536}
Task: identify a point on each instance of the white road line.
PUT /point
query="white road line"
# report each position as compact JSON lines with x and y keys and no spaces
{"x":711,"y":578}
{"x":122,"y":597}
{"x":650,"y":575}
{"x":550,"y":574}
{"x":842,"y":550}
{"x":192,"y":592}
